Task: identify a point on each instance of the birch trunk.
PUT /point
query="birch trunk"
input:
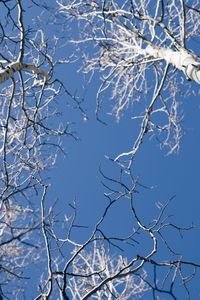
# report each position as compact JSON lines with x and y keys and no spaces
{"x":181,"y":59}
{"x":9,"y":70}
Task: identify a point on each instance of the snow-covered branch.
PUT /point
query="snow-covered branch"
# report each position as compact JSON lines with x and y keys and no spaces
{"x":182,"y":60}
{"x":9,"y":71}
{"x":133,"y":43}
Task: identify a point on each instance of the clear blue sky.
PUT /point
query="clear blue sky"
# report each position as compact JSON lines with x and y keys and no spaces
{"x":177,"y":174}
{"x":77,"y":175}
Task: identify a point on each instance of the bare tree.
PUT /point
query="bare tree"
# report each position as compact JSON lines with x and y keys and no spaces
{"x":98,"y":264}
{"x":144,"y":54}
{"x":29,"y":140}
{"x":132,"y":41}
{"x":93,"y":271}
{"x":143,"y":51}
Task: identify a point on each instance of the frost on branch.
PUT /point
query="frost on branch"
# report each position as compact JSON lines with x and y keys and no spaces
{"x":99,"y":262}
{"x":142,"y":51}
{"x":30,"y":133}
{"x":9,"y":71}
{"x":17,"y":246}
{"x":30,"y":128}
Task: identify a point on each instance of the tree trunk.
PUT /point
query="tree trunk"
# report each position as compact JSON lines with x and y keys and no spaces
{"x":9,"y":70}
{"x":181,"y":59}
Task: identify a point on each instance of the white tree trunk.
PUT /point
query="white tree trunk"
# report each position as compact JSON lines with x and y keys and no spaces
{"x":9,"y":70}
{"x":182,"y":60}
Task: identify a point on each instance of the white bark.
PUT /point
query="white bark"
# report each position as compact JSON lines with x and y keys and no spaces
{"x":10,"y":69}
{"x":181,"y":59}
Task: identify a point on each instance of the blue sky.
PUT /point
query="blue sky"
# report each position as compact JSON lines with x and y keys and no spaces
{"x":77,"y":176}
{"x":168,"y":175}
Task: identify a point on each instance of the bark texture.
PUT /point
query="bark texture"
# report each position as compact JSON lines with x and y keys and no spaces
{"x":182,"y":60}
